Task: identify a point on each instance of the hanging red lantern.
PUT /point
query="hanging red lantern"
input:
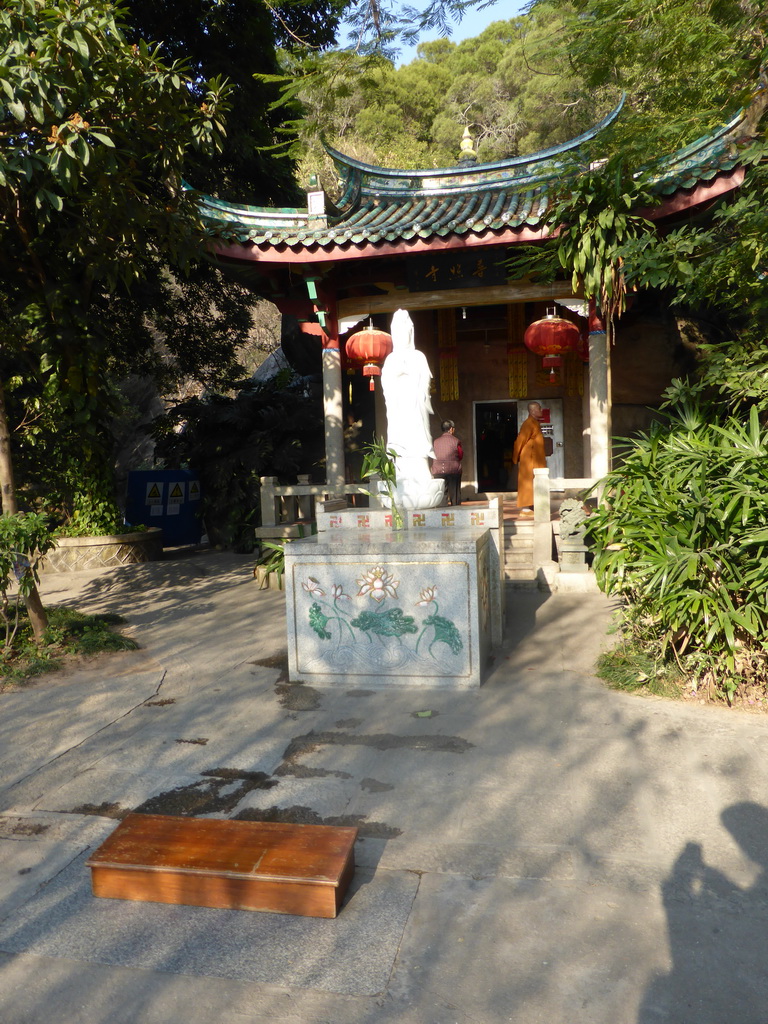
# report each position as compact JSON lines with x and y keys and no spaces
{"x":552,"y":337}
{"x":369,"y":347}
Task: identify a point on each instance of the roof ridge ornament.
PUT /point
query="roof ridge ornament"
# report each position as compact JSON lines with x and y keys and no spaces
{"x":468,"y":153}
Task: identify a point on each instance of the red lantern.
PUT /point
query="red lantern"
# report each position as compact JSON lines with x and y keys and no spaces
{"x":552,"y":338}
{"x":369,"y":347}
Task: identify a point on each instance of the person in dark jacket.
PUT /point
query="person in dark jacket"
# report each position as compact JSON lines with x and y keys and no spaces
{"x":447,"y":462}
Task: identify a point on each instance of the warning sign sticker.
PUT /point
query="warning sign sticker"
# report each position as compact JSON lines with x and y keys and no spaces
{"x":194,"y":490}
{"x":176,"y":493}
{"x":154,"y":494}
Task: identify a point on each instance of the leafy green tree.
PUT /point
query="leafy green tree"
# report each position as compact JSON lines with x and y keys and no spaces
{"x":710,"y":268}
{"x":272,"y":428}
{"x":381,"y":25}
{"x":513,"y":85}
{"x":680,"y":534}
{"x":232,"y":39}
{"x":94,"y":132}
{"x":682,"y":63}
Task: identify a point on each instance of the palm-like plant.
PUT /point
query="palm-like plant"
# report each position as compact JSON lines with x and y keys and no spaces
{"x":682,"y":536}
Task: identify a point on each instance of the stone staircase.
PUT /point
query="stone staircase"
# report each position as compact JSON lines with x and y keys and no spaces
{"x":519,"y":572}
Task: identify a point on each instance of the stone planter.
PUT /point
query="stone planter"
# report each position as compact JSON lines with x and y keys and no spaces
{"x":72,"y":554}
{"x":269,"y":580}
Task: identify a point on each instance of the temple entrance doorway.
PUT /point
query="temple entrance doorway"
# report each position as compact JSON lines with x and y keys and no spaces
{"x":551,"y":428}
{"x":496,"y":427}
{"x":495,"y":432}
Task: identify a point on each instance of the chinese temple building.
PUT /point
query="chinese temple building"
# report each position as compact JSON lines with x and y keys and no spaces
{"x":437,"y":243}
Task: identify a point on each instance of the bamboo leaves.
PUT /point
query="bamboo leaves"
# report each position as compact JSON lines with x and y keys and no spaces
{"x":683,"y":536}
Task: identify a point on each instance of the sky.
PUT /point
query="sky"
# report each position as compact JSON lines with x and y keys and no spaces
{"x":472,"y":24}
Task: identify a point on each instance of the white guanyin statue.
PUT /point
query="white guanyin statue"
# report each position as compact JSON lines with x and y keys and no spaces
{"x":405,"y":378}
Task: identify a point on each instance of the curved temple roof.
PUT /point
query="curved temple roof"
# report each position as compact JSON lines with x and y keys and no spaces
{"x":363,"y":181}
{"x":381,"y":205}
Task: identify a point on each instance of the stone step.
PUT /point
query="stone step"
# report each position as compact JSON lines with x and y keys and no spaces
{"x":237,"y":865}
{"x":519,"y":572}
{"x":517,"y":558}
{"x":522,"y":584}
{"x":518,"y":529}
{"x":518,"y":544}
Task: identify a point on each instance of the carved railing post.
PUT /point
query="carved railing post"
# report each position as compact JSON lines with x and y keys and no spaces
{"x":542,"y":525}
{"x":269,"y":513}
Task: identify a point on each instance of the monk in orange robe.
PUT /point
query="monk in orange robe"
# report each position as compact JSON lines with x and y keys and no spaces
{"x":528,"y":454}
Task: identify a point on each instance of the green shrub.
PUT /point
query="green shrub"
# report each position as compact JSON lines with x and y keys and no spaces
{"x":69,"y":633}
{"x":24,"y":539}
{"x":632,"y":667}
{"x":682,"y":537}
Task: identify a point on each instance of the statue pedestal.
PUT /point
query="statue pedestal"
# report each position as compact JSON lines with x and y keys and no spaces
{"x":371,"y":607}
{"x":413,"y":496}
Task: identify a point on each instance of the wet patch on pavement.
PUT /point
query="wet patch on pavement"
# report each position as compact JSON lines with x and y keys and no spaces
{"x":302,"y":771}
{"x":17,"y":828}
{"x":310,"y":742}
{"x":297,"y":696}
{"x":219,"y":792}
{"x":374,"y":786}
{"x":275,"y":661}
{"x":104,"y":810}
{"x":306,"y":816}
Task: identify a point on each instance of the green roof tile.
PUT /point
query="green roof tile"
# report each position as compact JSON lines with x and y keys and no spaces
{"x":384,"y":204}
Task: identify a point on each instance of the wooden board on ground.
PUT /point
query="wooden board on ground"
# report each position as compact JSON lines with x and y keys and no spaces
{"x":243,"y":865}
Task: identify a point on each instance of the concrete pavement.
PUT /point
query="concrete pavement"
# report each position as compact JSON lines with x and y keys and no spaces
{"x":541,"y":850}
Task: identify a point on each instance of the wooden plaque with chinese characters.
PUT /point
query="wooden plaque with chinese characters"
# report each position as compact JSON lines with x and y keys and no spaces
{"x":242,"y":865}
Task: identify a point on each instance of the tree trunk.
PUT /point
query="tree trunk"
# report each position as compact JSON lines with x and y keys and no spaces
{"x":37,"y":616}
{"x":7,"y":485}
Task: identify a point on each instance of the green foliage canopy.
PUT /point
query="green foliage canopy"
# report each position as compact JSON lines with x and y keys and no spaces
{"x":686,"y":66}
{"x":513,"y":85}
{"x":232,"y":39}
{"x":94,"y":132}
{"x":682,"y":63}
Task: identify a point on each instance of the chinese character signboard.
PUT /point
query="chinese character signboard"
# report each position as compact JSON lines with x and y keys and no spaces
{"x":460,"y":269}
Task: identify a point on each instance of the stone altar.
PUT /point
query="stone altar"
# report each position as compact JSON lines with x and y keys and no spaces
{"x":370,"y":606}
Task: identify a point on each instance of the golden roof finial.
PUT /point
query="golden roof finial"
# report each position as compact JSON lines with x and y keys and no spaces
{"x":468,"y":154}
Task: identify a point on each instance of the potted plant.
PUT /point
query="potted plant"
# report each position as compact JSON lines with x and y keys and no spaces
{"x":270,"y":570}
{"x":379,"y":461}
